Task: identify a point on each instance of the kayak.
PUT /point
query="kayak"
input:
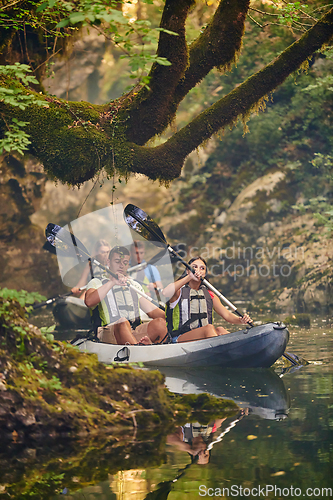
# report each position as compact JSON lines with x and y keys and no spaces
{"x":71,"y":312}
{"x":260,"y":390}
{"x":258,"y":346}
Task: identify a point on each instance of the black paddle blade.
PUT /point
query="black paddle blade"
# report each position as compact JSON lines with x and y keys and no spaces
{"x":49,"y":247}
{"x":64,"y":242}
{"x":144,"y":225}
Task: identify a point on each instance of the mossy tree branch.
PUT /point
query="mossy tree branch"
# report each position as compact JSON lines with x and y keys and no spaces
{"x":75,"y":140}
{"x":150,"y":111}
{"x":218,"y":46}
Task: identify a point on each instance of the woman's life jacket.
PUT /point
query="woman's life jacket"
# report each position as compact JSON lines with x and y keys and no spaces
{"x":193,"y":310}
{"x":120,"y":302}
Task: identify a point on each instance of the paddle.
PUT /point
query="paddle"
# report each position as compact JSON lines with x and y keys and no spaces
{"x":143,"y":224}
{"x":54,"y":299}
{"x":62,"y":241}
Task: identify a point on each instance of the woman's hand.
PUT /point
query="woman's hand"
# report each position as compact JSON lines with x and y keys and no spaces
{"x":195,"y":277}
{"x":245,"y":319}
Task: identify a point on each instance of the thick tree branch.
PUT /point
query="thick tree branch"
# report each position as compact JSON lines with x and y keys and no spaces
{"x":166,"y":161}
{"x":151,"y":107}
{"x":218,"y":46}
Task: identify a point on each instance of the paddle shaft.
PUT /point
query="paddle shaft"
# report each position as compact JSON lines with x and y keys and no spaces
{"x":160,"y":237}
{"x":54,"y":299}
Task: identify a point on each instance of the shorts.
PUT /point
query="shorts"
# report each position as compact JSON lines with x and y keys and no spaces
{"x":106,"y":333}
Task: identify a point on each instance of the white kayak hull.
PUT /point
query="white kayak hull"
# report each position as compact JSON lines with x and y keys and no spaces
{"x":259,"y":346}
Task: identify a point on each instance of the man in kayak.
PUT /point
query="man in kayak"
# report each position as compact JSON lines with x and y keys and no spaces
{"x":118,"y":306}
{"x":101,"y":253}
{"x":149,"y":275}
{"x":189,"y":312}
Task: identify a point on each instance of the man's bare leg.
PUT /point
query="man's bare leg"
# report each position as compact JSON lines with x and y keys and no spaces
{"x":157,"y":329}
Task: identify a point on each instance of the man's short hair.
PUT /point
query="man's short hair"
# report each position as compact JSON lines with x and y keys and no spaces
{"x":137,"y":244}
{"x":121,"y":250}
{"x":99,"y":244}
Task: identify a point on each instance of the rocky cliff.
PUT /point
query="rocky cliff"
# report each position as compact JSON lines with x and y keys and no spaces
{"x":23,"y":262}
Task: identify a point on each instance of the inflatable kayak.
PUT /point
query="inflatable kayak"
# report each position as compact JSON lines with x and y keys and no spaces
{"x":72,"y":313}
{"x":259,"y":346}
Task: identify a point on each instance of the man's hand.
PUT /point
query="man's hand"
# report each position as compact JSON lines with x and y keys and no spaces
{"x":122,"y":280}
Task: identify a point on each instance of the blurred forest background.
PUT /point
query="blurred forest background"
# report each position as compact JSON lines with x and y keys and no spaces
{"x":256,"y":205}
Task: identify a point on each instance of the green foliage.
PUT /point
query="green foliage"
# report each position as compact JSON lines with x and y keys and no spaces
{"x":290,"y":13}
{"x":53,"y":384}
{"x":24,"y":298}
{"x":289,"y":135}
{"x":15,"y":139}
{"x":11,"y":316}
{"x":47,"y":332}
{"x":15,"y":77}
{"x":135,"y":38}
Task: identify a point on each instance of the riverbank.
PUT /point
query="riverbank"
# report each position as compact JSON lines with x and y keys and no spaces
{"x":49,"y":388}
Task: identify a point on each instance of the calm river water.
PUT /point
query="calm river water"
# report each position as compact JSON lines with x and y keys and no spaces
{"x":278,"y":446}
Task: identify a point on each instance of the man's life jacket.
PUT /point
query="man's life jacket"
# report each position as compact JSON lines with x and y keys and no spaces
{"x":120,"y":302}
{"x":193,"y":310}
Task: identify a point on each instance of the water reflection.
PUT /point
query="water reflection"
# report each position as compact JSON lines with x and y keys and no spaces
{"x":65,"y":468}
{"x":262,"y":391}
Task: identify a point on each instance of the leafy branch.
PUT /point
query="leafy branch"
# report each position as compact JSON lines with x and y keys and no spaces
{"x":294,"y":15}
{"x":16,"y":77}
{"x":135,"y":38}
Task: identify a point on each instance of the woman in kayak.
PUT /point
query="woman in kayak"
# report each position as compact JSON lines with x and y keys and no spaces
{"x":189,"y":312}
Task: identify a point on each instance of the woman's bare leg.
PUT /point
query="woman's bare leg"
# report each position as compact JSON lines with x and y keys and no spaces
{"x":220,"y":330}
{"x":205,"y":332}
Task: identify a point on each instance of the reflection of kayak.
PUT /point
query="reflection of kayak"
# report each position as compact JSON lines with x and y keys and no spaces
{"x":260,"y":390}
{"x":259,"y":346}
{"x":71,"y":312}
